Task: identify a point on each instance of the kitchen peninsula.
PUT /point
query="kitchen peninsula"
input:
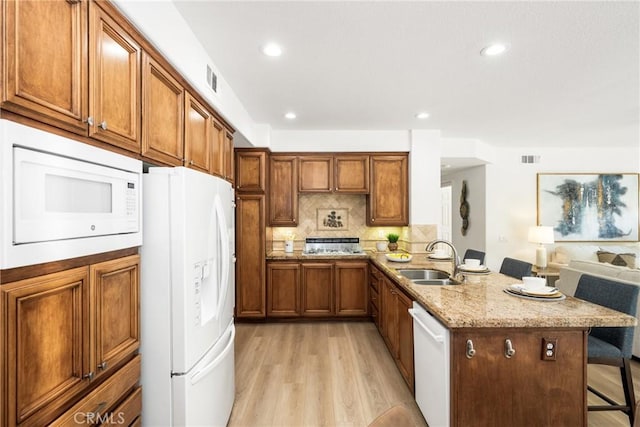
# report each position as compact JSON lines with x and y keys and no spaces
{"x":487,"y":387}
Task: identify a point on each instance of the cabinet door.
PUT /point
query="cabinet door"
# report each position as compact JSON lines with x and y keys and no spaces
{"x":351,"y":174}
{"x":388,"y":202}
{"x":162,"y":114}
{"x":352,"y":288}
{"x":114,"y":307}
{"x":317,"y":289}
{"x":197,"y":127}
{"x":316,"y":174}
{"x":114,"y":82}
{"x":228,"y":156}
{"x":388,"y":322}
{"x":251,"y":169}
{"x":46,"y":77}
{"x":283,"y":191}
{"x":250,"y":253}
{"x":405,"y":338}
{"x":217,"y":146}
{"x":45,"y":322}
{"x":283,"y":289}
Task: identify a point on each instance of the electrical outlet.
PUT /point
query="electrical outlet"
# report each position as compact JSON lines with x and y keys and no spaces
{"x":549,"y":348}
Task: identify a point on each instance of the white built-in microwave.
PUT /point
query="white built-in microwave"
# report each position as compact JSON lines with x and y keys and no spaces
{"x":64,"y":199}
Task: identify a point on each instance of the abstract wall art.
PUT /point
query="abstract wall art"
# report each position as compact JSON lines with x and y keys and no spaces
{"x":589,"y":206}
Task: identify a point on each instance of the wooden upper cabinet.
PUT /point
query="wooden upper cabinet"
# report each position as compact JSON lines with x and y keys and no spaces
{"x":162,"y":114}
{"x":115,"y":301}
{"x":338,"y":174}
{"x":228,"y":156}
{"x":251,"y":170}
{"x":388,"y":203}
{"x":46,"y":323}
{"x":217,"y":146}
{"x":283,"y":190}
{"x":197,"y":128}
{"x":115,"y":60}
{"x":316,"y":174}
{"x":45,"y":76}
{"x":351,"y":174}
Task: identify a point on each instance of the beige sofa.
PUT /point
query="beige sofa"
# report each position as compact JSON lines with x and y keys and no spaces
{"x":562,"y":254}
{"x":570,"y":275}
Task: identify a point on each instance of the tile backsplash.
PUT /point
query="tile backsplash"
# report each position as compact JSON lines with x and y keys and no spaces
{"x":355,"y":225}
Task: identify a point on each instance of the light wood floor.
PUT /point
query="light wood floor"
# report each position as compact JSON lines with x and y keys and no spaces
{"x":341,"y":374}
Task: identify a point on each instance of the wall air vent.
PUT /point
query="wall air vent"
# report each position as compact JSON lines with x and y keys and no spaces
{"x":212,"y":79}
{"x":529,"y":158}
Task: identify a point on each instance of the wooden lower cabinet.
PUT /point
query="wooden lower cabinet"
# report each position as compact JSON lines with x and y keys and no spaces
{"x":283,"y":289}
{"x":492,"y":389}
{"x":396,"y":327}
{"x":62,"y":333}
{"x":317,"y":289}
{"x":352,"y":288}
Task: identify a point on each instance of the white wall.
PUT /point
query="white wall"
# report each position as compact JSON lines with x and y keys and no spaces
{"x":161,"y":23}
{"x":424,"y":177}
{"x":511,"y":191}
{"x":340,"y":140}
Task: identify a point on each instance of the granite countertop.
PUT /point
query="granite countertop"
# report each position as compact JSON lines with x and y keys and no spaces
{"x":481,"y":302}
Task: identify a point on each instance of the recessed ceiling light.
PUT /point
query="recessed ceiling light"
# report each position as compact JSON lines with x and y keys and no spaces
{"x":272,"y":49}
{"x":494,"y":49}
{"x":422,"y":115}
{"x":290,"y":115}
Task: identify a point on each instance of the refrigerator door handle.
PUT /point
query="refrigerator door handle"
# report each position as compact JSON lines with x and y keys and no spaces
{"x":224,"y":250}
{"x":208,"y":368}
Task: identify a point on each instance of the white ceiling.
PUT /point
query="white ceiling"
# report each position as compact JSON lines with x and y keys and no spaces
{"x":570,"y":77}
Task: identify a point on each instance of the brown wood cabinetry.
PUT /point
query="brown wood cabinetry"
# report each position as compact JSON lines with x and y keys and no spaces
{"x":217,"y":148}
{"x":251,"y":174}
{"x":317,"y":289}
{"x":283,"y":190}
{"x":197,"y":129}
{"x":339,"y":174}
{"x":63,"y":331}
{"x":162,"y":114}
{"x":492,"y":389}
{"x":388,"y":203}
{"x":283,"y":289}
{"x":46,"y":77}
{"x":352,"y":288}
{"x":374,"y":295}
{"x":229,"y":164}
{"x":396,"y":327}
{"x":250,"y":253}
{"x":114,"y":82}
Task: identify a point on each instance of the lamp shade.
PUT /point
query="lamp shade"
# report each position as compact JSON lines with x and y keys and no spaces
{"x":541,"y":234}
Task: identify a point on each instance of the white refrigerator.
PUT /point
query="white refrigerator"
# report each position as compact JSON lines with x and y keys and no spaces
{"x":187,"y":298}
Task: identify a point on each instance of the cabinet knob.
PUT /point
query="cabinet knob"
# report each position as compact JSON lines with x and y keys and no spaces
{"x":191,"y":162}
{"x":89,"y":120}
{"x":373,"y":220}
{"x":470,"y":350}
{"x":509,"y":351}
{"x":103,"y":125}
{"x":102,"y":365}
{"x":88,"y":376}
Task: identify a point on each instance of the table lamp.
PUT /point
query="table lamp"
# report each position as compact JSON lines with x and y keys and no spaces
{"x":542,"y":235}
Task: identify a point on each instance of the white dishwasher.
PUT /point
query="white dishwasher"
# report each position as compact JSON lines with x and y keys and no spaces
{"x":431,"y":355}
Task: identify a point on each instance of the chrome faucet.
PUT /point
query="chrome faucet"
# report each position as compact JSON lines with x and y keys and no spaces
{"x":455,"y":259}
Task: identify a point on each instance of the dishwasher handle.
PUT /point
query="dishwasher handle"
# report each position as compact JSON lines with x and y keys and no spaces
{"x":437,"y":338}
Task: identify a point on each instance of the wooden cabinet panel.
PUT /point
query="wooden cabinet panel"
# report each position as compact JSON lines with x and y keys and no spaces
{"x":217,"y":147}
{"x":47,"y":357}
{"x":352,"y":288}
{"x":250,"y":253}
{"x":115,"y":302}
{"x":317,"y":289}
{"x":197,"y":128}
{"x":481,"y":384}
{"x":405,"y":339}
{"x":251,"y":170}
{"x":316,"y":174}
{"x":46,"y":77}
{"x":388,"y":318}
{"x":162,"y":115}
{"x":283,"y":289}
{"x":388,"y":202}
{"x":283,"y":190}
{"x":114,"y":82}
{"x":228,"y":156}
{"x":351,"y":174}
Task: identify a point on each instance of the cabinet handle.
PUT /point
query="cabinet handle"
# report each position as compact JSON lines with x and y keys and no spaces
{"x":191,"y":162}
{"x":89,"y":120}
{"x":470,"y":350}
{"x":103,"y":125}
{"x":88,"y":376}
{"x":373,"y":220}
{"x":103,"y":365}
{"x":509,"y":351}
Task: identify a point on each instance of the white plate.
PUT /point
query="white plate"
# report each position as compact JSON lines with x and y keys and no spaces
{"x":473,"y":267}
{"x":397,"y":258}
{"x":518,"y":287}
{"x":434,"y":256}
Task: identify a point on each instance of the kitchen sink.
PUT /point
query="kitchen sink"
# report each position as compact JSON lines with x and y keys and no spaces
{"x":434,"y":282}
{"x":423,"y":274}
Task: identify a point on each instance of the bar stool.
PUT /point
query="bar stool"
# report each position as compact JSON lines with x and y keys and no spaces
{"x":473,"y":254}
{"x":515,"y":268}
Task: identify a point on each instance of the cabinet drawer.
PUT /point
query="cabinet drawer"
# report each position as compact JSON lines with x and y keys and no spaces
{"x":128,"y":411}
{"x":93,"y":408}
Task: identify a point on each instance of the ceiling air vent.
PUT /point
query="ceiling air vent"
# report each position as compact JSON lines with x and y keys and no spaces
{"x":530,"y":158}
{"x":212,"y":79}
